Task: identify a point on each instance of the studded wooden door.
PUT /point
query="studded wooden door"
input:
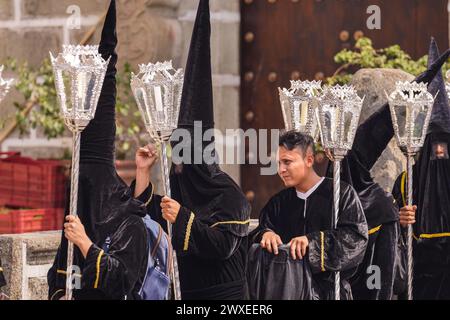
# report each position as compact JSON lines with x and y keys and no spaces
{"x":297,"y":39}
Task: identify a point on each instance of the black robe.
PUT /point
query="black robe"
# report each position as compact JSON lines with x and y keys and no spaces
{"x":116,"y":263}
{"x":328,"y":250}
{"x":210,"y":240}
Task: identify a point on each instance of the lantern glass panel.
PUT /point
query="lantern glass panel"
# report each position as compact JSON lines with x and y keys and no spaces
{"x":419,"y":117}
{"x":348,"y":118}
{"x":400,"y":112}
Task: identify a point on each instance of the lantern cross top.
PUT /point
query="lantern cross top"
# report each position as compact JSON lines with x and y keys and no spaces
{"x":150,"y":70}
{"x":411,"y":92}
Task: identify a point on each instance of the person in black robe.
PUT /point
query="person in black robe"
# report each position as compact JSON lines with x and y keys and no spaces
{"x":379,"y":207}
{"x":301,"y":216}
{"x":430,"y":215}
{"x":209,"y":212}
{"x":110,"y":237}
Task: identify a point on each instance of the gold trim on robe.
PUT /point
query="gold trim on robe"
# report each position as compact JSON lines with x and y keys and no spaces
{"x":322,"y":251}
{"x":188,"y":232}
{"x":97,"y":278}
{"x":230,"y":222}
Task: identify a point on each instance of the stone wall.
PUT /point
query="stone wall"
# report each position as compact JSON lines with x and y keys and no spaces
{"x":26,"y":259}
{"x":373,"y":85}
{"x":148,"y":30}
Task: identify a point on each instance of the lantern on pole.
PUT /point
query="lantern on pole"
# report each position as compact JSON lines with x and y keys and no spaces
{"x":157,"y":89}
{"x":410,"y":105}
{"x":339,"y":109}
{"x":79,"y":74}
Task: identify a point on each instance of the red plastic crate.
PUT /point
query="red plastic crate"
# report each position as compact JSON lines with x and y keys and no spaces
{"x":30,"y":220}
{"x":32,"y":183}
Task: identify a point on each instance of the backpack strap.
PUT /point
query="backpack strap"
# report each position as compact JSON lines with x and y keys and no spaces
{"x":158,"y":240}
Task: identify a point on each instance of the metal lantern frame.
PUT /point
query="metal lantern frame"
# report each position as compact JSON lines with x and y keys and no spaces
{"x":79,"y":75}
{"x":339,"y":109}
{"x":298,"y":105}
{"x":411,"y":106}
{"x":157,"y":89}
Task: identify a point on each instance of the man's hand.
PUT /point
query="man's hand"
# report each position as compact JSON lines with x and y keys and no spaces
{"x":298,"y":247}
{"x":270,"y":241}
{"x":146,"y":157}
{"x":74,"y":231}
{"x":407,"y":215}
{"x":170,"y":209}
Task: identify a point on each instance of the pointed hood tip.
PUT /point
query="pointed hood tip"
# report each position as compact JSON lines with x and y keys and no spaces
{"x":108,"y":40}
{"x":440,"y":117}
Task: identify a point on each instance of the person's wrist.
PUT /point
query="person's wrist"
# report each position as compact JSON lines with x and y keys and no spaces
{"x":85,"y":245}
{"x":143,"y":170}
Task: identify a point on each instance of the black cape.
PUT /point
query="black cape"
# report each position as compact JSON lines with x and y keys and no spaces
{"x":329,"y":250}
{"x":116,"y":264}
{"x":431,"y":194}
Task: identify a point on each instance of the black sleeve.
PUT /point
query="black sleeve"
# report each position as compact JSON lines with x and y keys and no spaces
{"x":343,"y":248}
{"x":191,"y":236}
{"x":97,"y":140}
{"x":116,"y":273}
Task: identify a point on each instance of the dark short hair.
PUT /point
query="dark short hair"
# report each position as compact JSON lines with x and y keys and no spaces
{"x":294,"y":139}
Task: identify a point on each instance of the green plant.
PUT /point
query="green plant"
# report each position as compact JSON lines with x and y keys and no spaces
{"x":365,"y":56}
{"x":37,"y":84}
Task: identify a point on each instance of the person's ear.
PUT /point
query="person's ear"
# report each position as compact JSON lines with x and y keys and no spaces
{"x":309,"y":159}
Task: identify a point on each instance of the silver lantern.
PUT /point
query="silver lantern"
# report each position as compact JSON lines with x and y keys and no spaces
{"x":410,"y":105}
{"x":5,"y":85}
{"x":79,"y":74}
{"x":339,"y":109}
{"x":298,"y":105}
{"x":157,"y":89}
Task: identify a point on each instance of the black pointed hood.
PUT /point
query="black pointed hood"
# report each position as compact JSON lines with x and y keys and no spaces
{"x":440,"y":117}
{"x":105,"y":113}
{"x":199,"y":185}
{"x":108,"y":42}
{"x":197,"y":98}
